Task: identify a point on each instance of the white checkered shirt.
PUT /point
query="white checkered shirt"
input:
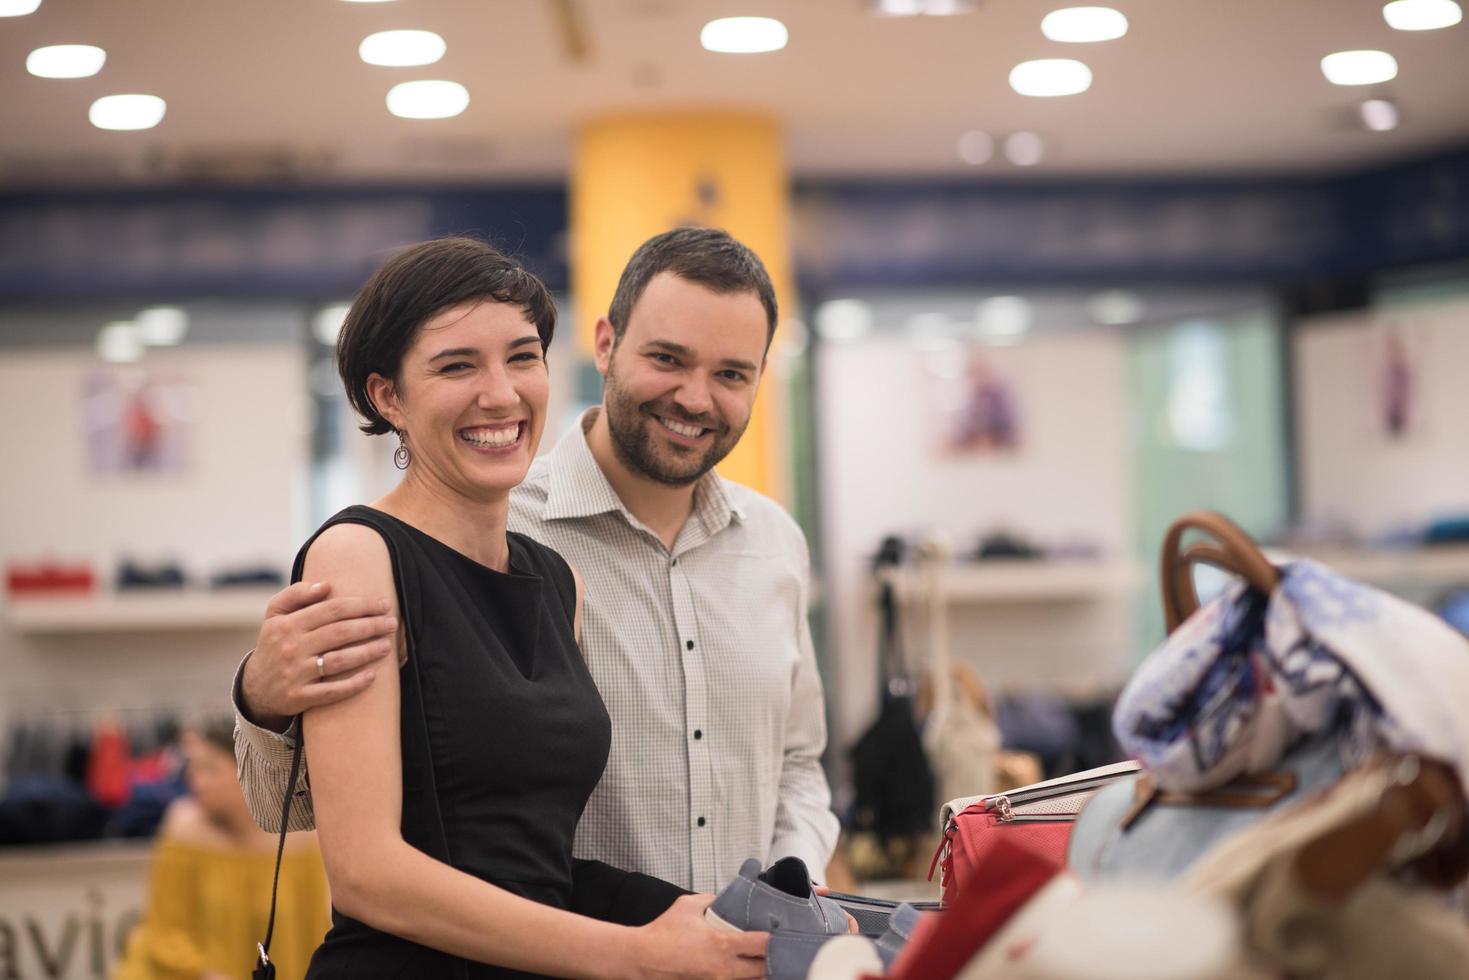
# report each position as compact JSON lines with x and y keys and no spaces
{"x":703,"y":656}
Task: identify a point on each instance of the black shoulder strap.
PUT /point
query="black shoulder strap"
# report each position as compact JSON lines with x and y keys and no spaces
{"x":264,"y":968}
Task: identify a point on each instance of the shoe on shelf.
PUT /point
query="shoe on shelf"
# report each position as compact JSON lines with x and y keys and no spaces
{"x":780,"y":897}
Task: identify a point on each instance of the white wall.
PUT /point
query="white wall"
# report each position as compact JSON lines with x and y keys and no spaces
{"x":240,"y":499}
{"x":1069,"y":480}
{"x":1351,"y":473}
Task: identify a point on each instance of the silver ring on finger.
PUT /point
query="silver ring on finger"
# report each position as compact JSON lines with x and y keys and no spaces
{"x":321,"y":666}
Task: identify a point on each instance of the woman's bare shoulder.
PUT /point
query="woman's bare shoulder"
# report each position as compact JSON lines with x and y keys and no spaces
{"x":186,"y":822}
{"x":348,"y":542}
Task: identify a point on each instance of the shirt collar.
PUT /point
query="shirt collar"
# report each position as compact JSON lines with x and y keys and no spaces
{"x":577,"y":487}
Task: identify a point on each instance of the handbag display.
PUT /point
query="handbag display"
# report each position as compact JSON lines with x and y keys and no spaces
{"x":1261,"y":701}
{"x":1130,"y":827}
{"x":1133,"y":827}
{"x":1038,"y":817}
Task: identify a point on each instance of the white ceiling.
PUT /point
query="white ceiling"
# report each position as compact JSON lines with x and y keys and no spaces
{"x":256,"y":87}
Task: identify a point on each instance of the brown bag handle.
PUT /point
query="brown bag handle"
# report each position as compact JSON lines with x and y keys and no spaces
{"x":1236,"y":552}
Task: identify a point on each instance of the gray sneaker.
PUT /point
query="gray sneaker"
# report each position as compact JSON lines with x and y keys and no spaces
{"x":778,"y":898}
{"x":791,"y":955}
{"x":899,"y":931}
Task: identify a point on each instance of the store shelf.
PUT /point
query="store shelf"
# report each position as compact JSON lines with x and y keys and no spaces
{"x":140,"y":612}
{"x":1022,"y":581}
{"x":1443,"y":566}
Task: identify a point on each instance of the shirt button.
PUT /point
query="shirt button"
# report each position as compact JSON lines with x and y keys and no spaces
{"x":701,"y":821}
{"x":689,"y":645}
{"x":674,"y":562}
{"x":698,"y":733}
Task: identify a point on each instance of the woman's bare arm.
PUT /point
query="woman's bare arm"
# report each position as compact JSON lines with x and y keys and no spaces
{"x":378,"y":878}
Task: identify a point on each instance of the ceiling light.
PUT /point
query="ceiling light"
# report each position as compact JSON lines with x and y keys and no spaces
{"x":18,"y":8}
{"x":744,"y":35}
{"x":66,"y":61}
{"x":119,"y":342}
{"x":127,"y":112}
{"x":976,"y":147}
{"x":401,"y":49}
{"x":1083,"y":25}
{"x":1050,"y":77}
{"x":427,"y":99}
{"x":1004,"y":316}
{"x":1422,"y":15}
{"x":1359,"y":67}
{"x":912,"y":8}
{"x":328,"y":323}
{"x":1115,"y":307}
{"x":844,"y":319}
{"x":1378,"y":115}
{"x":1024,"y":149}
{"x":162,"y":326}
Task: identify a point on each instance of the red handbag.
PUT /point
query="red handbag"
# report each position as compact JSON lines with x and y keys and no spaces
{"x":1038,"y":817}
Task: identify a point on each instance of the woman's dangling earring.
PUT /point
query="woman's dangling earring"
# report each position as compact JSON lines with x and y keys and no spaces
{"x":401,"y":455}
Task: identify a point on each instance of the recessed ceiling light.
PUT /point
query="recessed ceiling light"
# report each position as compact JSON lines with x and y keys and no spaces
{"x":18,"y":8}
{"x":844,"y":319}
{"x":66,"y":61}
{"x":127,"y":112}
{"x":327,"y":323}
{"x":1378,"y":115}
{"x":1115,"y":307}
{"x":119,"y":342}
{"x":428,"y":99}
{"x":162,"y":326}
{"x":1024,"y":149}
{"x":1359,"y":67}
{"x":1050,"y":77}
{"x":744,"y":35}
{"x":976,"y":147}
{"x":1422,"y":15}
{"x":1084,"y":25}
{"x":912,"y":8}
{"x":402,"y":49}
{"x":1004,"y":316}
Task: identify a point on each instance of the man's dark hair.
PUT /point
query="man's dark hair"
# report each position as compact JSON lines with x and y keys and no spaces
{"x":408,"y":290}
{"x":710,"y":257}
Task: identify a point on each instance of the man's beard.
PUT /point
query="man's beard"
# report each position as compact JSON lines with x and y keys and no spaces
{"x":631,"y":423}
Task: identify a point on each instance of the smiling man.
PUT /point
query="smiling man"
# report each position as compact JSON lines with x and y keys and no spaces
{"x":695,"y":624}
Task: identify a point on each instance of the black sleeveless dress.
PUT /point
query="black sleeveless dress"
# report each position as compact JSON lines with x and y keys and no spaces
{"x":504,"y":735}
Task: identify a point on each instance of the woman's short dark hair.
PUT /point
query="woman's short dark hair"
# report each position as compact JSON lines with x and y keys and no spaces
{"x":408,"y":290}
{"x":215,"y":729}
{"x":711,"y":257}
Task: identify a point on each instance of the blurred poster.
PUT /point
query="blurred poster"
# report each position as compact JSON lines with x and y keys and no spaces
{"x":1395,"y":358}
{"x":137,"y":421}
{"x":978,"y":404}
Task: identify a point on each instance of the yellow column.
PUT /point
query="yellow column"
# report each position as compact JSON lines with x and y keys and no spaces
{"x":640,"y":174}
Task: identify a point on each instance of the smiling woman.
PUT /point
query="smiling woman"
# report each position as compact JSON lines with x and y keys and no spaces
{"x":447,"y":792}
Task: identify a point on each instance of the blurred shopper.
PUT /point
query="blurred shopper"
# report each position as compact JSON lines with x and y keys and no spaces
{"x":697,"y":588}
{"x":448,"y":791}
{"x":210,"y":881}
